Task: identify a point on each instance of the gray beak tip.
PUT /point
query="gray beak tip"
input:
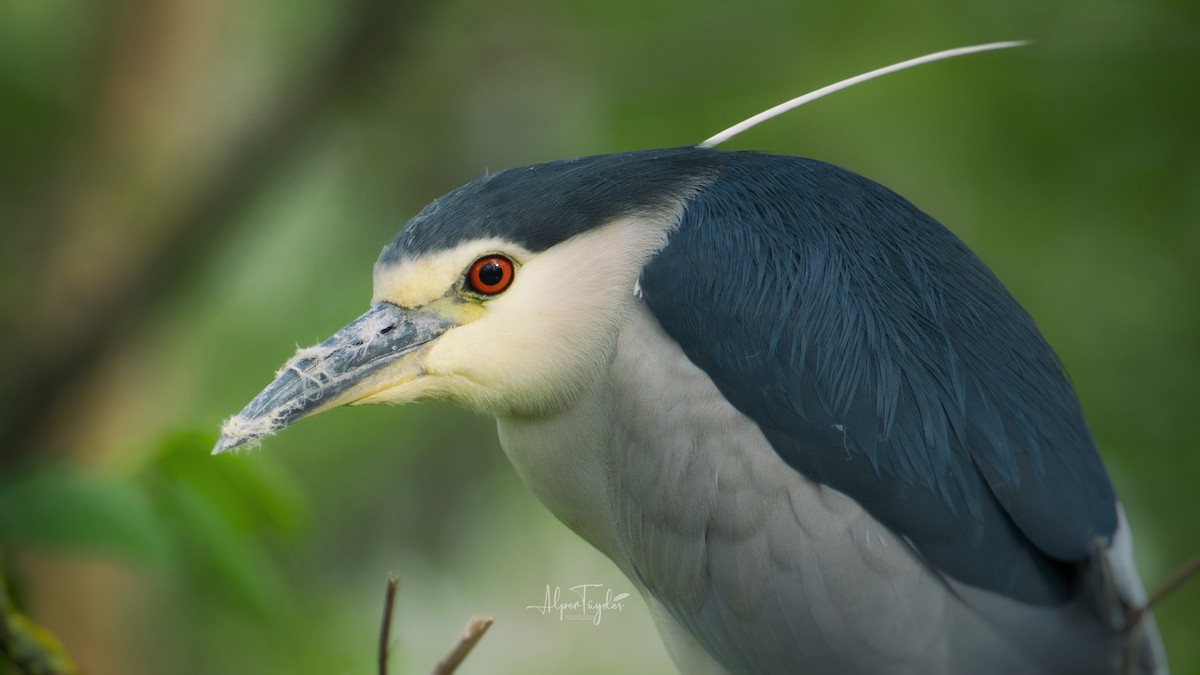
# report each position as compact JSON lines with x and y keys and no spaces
{"x":238,"y":431}
{"x":225,"y":444}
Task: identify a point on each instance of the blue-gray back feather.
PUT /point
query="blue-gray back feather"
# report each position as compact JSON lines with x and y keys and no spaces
{"x":882,"y":358}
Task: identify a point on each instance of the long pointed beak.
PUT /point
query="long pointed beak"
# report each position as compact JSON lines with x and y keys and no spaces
{"x":376,"y":351}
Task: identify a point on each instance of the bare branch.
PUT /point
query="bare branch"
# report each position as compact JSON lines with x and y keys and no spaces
{"x":385,"y":633}
{"x":475,"y":629}
{"x":1181,"y":575}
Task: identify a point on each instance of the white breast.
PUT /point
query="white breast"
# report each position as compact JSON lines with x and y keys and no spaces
{"x":737,"y":553}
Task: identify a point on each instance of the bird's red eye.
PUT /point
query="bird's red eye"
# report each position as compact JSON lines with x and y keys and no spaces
{"x":490,"y":275}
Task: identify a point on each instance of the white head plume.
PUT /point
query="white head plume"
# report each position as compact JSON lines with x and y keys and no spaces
{"x":847,"y":83}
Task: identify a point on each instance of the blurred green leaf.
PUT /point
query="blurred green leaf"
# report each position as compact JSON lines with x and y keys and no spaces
{"x":71,"y":509}
{"x":219,"y":513}
{"x":38,"y":651}
{"x":33,"y":648}
{"x":250,"y":493}
{"x":211,"y":554}
{"x":205,"y":518}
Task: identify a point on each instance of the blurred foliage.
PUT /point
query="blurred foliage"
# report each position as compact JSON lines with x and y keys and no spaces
{"x":69,"y":509}
{"x":181,"y":512}
{"x":189,"y":188}
{"x":26,"y":645}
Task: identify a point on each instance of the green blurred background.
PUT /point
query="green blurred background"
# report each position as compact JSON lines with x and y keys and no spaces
{"x":191,"y":188}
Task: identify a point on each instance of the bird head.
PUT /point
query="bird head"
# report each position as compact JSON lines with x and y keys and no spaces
{"x":505,"y":296}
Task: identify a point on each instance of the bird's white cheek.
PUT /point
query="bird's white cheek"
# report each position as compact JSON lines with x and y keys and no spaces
{"x":547,"y":339}
{"x":523,"y":361}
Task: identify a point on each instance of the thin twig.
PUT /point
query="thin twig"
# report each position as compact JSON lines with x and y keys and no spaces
{"x":385,"y":633}
{"x":475,"y":629}
{"x":1186,"y":571}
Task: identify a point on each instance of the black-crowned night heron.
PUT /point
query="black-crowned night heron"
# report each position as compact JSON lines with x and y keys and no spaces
{"x":798,"y":413}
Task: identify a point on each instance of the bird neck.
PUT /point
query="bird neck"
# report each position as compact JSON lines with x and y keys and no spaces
{"x":563,"y":457}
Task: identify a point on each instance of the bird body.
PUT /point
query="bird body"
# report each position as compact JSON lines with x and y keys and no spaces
{"x":798,"y":413}
{"x":744,"y":557}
